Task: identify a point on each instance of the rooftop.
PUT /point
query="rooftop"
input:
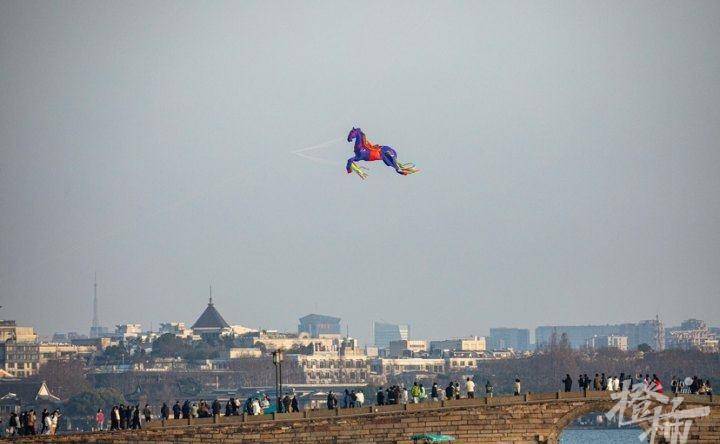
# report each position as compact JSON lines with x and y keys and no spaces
{"x":210,"y":319}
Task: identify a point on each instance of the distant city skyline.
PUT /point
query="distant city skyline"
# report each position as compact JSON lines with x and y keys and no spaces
{"x":486,"y":331}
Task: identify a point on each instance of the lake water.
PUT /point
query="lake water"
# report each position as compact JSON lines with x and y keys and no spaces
{"x":600,"y":436}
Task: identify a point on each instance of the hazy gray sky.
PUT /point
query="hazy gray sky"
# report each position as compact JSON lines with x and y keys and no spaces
{"x":569,"y":154}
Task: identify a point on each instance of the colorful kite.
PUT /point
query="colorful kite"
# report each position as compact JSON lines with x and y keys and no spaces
{"x":369,"y":152}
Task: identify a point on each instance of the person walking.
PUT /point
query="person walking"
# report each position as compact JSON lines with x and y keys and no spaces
{"x":165,"y":412}
{"x":456,"y":390}
{"x":488,"y":389}
{"x":450,"y":391}
{"x":286,"y":402}
{"x":294,"y":404}
{"x":100,"y":420}
{"x":380,"y":397}
{"x":517,"y":387}
{"x":31,"y":419}
{"x":359,"y":398}
{"x":177,"y":410}
{"x":568,"y":382}
{"x":43,"y":415}
{"x":13,"y":424}
{"x":54,"y":422}
{"x":49,"y":424}
{"x":186,"y":410}
{"x":135,"y":421}
{"x":415,"y":393}
{"x":256,"y":406}
{"x":658,"y":385}
{"x":596,"y":382}
{"x":216,"y":407}
{"x":114,"y":418}
{"x":434,"y":392}
{"x":147,"y":413}
{"x":346,"y":399}
{"x":470,"y":388}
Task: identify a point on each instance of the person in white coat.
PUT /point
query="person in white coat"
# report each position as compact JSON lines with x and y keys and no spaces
{"x":359,"y":398}
{"x":256,"y":407}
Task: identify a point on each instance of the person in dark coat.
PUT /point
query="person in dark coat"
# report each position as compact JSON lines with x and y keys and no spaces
{"x":216,"y":407}
{"x":147,"y":413}
{"x":568,"y":382}
{"x":380,"y":397}
{"x":287,"y":403}
{"x":135,"y":417}
{"x":449,"y":391}
{"x":176,"y":410}
{"x":121,"y":410}
{"x":186,"y":409}
{"x":114,"y":423}
{"x":165,"y":411}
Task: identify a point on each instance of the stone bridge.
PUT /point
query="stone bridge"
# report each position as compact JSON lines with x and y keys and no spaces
{"x":531,"y":418}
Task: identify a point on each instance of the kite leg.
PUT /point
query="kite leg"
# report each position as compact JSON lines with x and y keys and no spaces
{"x":389,"y":157}
{"x":349,"y":167}
{"x":359,"y":170}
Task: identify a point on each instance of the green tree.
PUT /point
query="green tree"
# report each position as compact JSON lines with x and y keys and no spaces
{"x":169,"y":346}
{"x":64,"y":377}
{"x":114,"y":355}
{"x":87,"y":402}
{"x":644,"y":348}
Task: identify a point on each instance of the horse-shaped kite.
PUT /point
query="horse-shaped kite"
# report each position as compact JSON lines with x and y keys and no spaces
{"x":367,"y":151}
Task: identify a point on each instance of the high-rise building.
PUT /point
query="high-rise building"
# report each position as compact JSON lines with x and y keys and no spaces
{"x":384,"y":333}
{"x":19,"y":354}
{"x":650,"y":332}
{"x":515,"y":338}
{"x":692,"y":334}
{"x":316,"y":325}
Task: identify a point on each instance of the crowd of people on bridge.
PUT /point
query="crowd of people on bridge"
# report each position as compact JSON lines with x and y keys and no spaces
{"x":690,"y":385}
{"x":122,"y":417}
{"x":27,"y":423}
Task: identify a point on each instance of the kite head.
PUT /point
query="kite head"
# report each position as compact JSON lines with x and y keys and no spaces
{"x":354,"y":133}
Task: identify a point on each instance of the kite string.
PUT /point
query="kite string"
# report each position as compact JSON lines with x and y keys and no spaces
{"x":300,"y":152}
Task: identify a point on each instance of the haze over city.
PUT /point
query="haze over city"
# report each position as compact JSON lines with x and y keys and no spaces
{"x":569,"y":163}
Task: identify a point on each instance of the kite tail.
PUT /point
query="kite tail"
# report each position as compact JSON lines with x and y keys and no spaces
{"x":408,"y":168}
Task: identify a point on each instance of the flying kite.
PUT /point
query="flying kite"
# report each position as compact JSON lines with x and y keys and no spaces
{"x":369,"y":152}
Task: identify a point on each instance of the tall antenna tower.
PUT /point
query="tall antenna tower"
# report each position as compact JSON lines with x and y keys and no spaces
{"x":95,"y":321}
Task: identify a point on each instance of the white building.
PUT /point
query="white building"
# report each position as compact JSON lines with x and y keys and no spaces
{"x":406,"y":348}
{"x":178,"y":329}
{"x":393,"y":366}
{"x":128,"y":331}
{"x":240,"y":352}
{"x":475,"y":343}
{"x":332,"y":367}
{"x":609,"y":341}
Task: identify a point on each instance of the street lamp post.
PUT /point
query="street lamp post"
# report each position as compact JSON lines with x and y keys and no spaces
{"x":277,"y":361}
